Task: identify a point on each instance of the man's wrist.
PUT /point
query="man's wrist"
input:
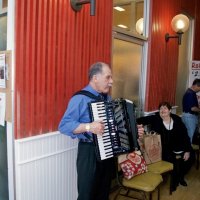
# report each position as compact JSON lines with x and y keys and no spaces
{"x":87,"y":127}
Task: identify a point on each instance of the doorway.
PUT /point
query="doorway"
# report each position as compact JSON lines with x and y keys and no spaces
{"x":130,"y":25}
{"x":127,"y":65}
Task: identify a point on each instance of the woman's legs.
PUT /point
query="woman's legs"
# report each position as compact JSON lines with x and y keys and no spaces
{"x":181,"y":167}
{"x":175,"y":173}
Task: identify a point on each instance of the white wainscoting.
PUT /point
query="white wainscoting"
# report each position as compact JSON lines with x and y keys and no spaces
{"x":45,"y":167}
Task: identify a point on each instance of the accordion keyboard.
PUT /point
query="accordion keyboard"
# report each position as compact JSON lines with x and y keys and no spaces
{"x":104,"y":141}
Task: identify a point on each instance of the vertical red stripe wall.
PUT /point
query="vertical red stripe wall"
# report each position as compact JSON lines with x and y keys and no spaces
{"x":54,"y":48}
{"x":162,"y":56}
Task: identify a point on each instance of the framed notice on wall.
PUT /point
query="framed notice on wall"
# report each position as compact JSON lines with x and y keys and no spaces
{"x":5,"y":80}
{"x":2,"y":70}
{"x":194,"y":73}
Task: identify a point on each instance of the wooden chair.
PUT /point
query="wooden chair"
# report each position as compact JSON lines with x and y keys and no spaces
{"x":145,"y":184}
{"x":162,"y":167}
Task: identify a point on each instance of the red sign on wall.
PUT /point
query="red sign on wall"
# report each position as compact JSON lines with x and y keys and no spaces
{"x":194,"y":73}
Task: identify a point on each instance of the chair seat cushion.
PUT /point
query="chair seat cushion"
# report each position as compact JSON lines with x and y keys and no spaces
{"x":146,"y":182}
{"x":160,"y":167}
{"x":195,"y":146}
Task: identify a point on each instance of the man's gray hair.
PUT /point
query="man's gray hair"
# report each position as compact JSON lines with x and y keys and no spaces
{"x":95,"y":68}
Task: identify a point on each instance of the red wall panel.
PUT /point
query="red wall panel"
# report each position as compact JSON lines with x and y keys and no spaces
{"x":191,"y":8}
{"x":162,"y":56}
{"x":196,"y":54}
{"x":54,"y":48}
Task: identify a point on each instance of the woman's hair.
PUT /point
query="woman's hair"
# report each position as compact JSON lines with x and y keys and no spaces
{"x":164,"y":103}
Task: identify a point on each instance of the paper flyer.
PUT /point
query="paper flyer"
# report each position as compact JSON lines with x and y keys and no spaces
{"x":2,"y":71}
{"x":194,"y":73}
{"x":2,"y":108}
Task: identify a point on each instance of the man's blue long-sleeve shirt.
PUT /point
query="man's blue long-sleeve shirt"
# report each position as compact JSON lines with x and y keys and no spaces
{"x":77,"y":113}
{"x":189,"y":101}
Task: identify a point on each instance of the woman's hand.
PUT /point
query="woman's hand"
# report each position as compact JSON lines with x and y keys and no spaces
{"x":140,"y":131}
{"x":186,"y":156}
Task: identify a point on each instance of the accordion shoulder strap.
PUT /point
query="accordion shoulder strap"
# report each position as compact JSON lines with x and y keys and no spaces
{"x":92,"y":96}
{"x":87,"y":93}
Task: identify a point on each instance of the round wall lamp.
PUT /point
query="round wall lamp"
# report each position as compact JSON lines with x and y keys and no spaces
{"x":140,"y":26}
{"x":180,"y":24}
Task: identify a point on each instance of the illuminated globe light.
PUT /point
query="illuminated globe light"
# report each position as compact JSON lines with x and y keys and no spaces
{"x":140,"y":26}
{"x":180,"y":23}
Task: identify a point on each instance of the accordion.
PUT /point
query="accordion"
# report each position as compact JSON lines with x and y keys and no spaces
{"x":120,"y":132}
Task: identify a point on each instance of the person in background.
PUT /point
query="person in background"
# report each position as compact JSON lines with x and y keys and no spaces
{"x":94,"y":177}
{"x":176,"y":146}
{"x":191,"y":108}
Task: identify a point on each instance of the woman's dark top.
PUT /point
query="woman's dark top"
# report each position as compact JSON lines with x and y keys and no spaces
{"x":174,"y":140}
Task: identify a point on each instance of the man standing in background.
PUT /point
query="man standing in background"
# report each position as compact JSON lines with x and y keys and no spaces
{"x":191,"y":108}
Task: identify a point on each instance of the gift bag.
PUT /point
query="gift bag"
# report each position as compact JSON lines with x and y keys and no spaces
{"x":132,"y":164}
{"x":152,"y":148}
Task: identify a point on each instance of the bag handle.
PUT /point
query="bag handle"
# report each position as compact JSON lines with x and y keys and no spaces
{"x":152,"y":133}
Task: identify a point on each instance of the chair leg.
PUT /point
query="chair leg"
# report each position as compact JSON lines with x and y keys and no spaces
{"x":145,"y":195}
{"x":117,"y":194}
{"x":170,"y":183}
{"x":127,"y":193}
{"x":158,"y":192}
{"x":150,"y":196}
{"x":197,"y":165}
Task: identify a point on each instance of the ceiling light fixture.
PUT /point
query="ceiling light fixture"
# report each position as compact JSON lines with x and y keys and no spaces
{"x":118,"y":8}
{"x":122,"y":26}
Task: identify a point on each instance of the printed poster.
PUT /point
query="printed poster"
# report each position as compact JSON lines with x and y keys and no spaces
{"x":2,"y":108}
{"x":194,"y":73}
{"x":2,"y":70}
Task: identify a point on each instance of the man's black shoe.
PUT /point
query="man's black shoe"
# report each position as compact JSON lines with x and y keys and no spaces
{"x":183,"y":183}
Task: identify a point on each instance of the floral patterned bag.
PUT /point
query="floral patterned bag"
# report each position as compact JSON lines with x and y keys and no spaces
{"x":132,"y":164}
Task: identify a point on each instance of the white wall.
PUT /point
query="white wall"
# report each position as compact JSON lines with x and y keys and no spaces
{"x":45,"y":167}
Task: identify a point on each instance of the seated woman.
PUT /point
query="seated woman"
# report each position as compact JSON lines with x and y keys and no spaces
{"x":176,"y":145}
